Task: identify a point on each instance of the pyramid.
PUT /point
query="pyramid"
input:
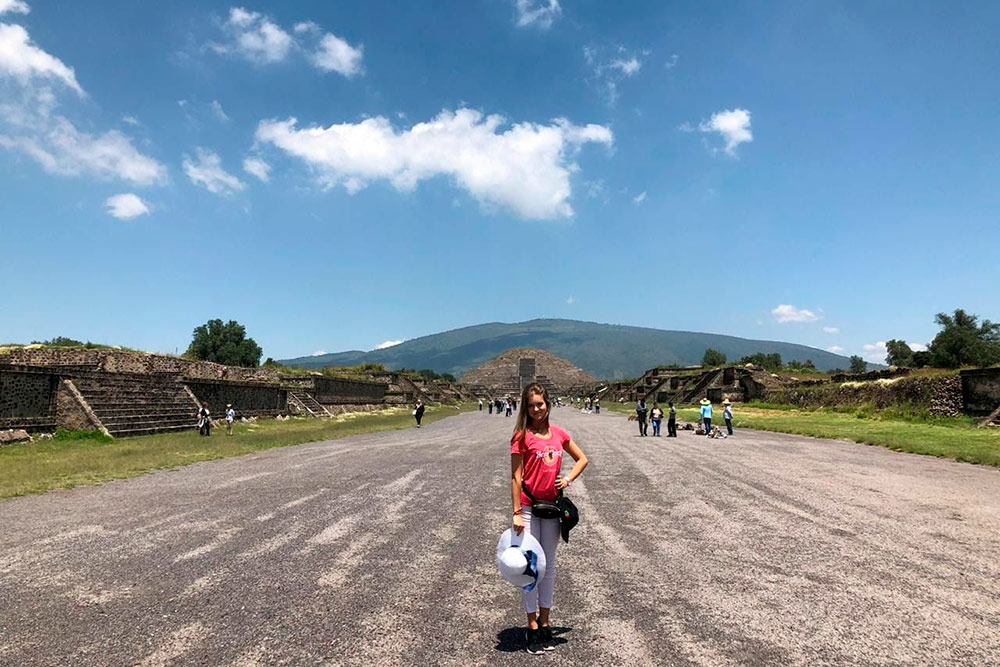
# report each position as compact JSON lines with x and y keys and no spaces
{"x":508,"y":373}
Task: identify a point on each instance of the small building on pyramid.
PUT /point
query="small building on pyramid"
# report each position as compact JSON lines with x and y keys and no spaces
{"x":509,"y":373}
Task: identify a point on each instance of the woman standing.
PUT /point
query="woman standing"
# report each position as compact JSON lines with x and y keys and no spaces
{"x":536,"y":453}
{"x":657,"y":417}
{"x":418,"y":412}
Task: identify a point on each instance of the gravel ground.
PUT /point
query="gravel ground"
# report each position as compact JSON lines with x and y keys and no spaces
{"x":762,"y":549}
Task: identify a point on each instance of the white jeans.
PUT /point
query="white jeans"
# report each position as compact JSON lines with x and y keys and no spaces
{"x":546,"y":531}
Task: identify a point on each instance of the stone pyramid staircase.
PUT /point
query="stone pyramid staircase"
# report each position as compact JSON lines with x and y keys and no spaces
{"x":132,"y":404}
{"x":306,"y":401}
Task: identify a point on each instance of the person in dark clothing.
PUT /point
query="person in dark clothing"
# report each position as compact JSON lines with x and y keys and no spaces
{"x":418,"y":413}
{"x":640,"y":413}
{"x":727,"y":414}
{"x":671,"y":421}
{"x":204,"y":420}
{"x":489,"y":405}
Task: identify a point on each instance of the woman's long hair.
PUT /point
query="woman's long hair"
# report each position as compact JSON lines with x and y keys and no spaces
{"x":523,"y":417}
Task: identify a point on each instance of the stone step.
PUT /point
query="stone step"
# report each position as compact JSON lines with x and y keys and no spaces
{"x":140,"y":411}
{"x":150,"y":421}
{"x":130,"y":391}
{"x":134,"y":432}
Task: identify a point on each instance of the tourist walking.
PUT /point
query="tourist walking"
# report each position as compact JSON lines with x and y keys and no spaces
{"x":418,"y":412}
{"x":480,"y":405}
{"x":706,"y":415}
{"x":597,"y":406}
{"x":671,"y":420}
{"x":640,"y":415}
{"x":204,"y":420}
{"x":727,"y":414}
{"x":510,"y":408}
{"x":656,"y":415}
{"x":536,"y":456}
{"x":230,"y":418}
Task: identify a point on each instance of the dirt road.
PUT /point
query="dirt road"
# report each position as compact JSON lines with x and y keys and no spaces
{"x":378,"y":550}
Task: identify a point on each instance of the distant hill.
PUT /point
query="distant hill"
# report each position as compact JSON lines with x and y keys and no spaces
{"x":606,"y":351}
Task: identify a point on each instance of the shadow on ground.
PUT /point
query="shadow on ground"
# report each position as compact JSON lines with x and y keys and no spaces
{"x":511,"y":640}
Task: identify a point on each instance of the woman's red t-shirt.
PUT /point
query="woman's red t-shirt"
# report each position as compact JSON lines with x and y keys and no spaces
{"x":542,"y":462}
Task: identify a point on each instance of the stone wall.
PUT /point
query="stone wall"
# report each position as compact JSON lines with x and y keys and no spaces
{"x":27,"y":398}
{"x":980,"y":390}
{"x":337,"y":391}
{"x":938,"y":394}
{"x":121,"y":361}
{"x":246,"y":398}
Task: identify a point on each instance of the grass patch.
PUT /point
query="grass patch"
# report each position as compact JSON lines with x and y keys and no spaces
{"x":75,"y":458}
{"x":901,"y":429}
{"x":953,"y":438}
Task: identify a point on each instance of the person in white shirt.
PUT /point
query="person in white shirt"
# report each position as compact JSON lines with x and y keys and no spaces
{"x":230,"y":418}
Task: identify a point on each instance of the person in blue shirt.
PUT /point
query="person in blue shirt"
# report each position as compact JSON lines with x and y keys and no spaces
{"x":706,"y":415}
{"x":727,"y":414}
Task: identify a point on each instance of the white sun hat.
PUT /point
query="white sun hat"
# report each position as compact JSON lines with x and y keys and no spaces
{"x":521,"y":559}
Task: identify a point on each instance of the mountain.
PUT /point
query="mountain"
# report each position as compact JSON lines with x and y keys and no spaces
{"x":607,"y":351}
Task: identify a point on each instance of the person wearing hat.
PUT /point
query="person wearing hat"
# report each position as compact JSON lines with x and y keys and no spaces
{"x":706,"y":415}
{"x":727,"y":414}
{"x":536,"y":455}
{"x":230,"y":418}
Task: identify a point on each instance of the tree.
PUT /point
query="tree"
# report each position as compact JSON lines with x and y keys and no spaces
{"x":713,"y":358}
{"x":224,"y":344}
{"x":964,"y":342}
{"x":898,"y":353}
{"x":771,"y":362}
{"x":858,"y":365}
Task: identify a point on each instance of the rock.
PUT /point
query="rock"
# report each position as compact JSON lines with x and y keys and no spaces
{"x":11,"y":436}
{"x":45,"y":436}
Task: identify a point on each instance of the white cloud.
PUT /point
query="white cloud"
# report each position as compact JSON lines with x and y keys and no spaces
{"x":831,"y":330}
{"x":608,"y":74}
{"x":257,"y":167}
{"x":255,"y":37}
{"x":641,"y":197}
{"x":875,"y":353}
{"x":60,"y":148}
{"x":388,"y":343}
{"x":305,"y":26}
{"x":131,"y":120}
{"x":28,"y":122}
{"x":318,"y":353}
{"x":672,"y":63}
{"x":219,"y":112}
{"x":836,"y":349}
{"x":25,"y":61}
{"x":14,"y":7}
{"x":787,"y":313}
{"x":126,"y":206}
{"x":918,"y":347}
{"x":733,"y":125}
{"x":335,"y":55}
{"x":628,"y":67}
{"x":570,"y":301}
{"x":208,"y":173}
{"x":537,"y":13}
{"x":526,"y":167}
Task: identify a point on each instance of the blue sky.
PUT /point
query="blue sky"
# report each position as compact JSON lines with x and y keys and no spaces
{"x":339,"y":175}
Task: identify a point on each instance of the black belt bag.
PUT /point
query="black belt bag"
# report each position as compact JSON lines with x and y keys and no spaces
{"x":544,"y":509}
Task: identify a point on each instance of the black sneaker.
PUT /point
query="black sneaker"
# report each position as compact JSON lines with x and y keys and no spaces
{"x":533,"y":645}
{"x":545,"y":638}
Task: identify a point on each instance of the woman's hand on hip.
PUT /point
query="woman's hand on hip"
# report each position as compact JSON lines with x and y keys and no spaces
{"x":562,"y":483}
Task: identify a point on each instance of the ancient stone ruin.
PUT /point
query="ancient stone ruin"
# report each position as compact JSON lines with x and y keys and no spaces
{"x":128,"y":393}
{"x":509,"y":373}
